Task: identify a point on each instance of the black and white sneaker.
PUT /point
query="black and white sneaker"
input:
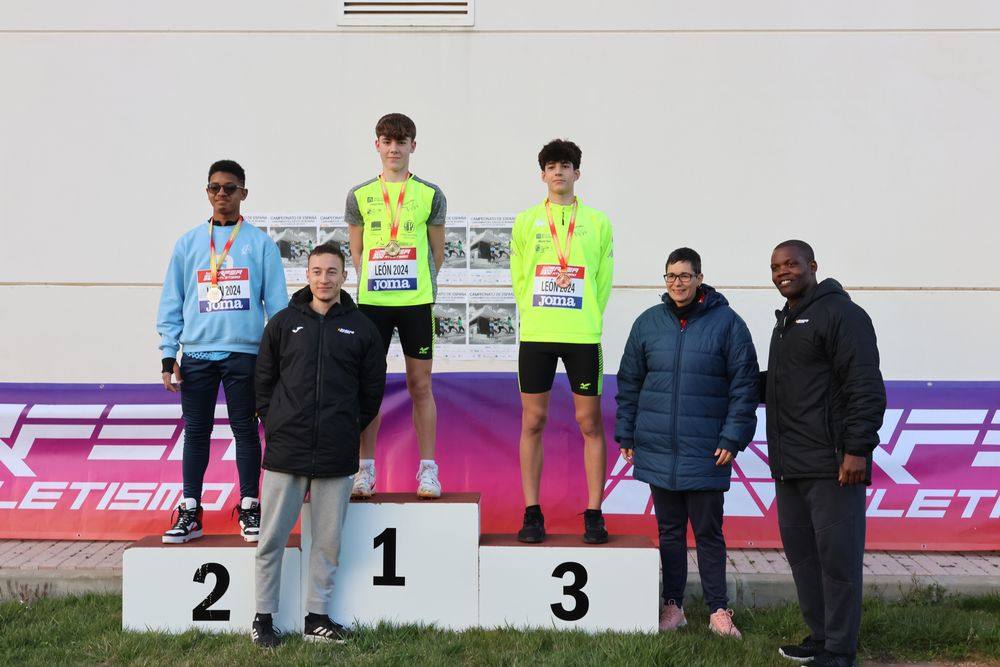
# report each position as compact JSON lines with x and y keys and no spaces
{"x":533,"y":529}
{"x":262,"y":631}
{"x":249,"y":519}
{"x":320,"y":628}
{"x":188,"y":525}
{"x":594,"y":531}
{"x":803,"y":652}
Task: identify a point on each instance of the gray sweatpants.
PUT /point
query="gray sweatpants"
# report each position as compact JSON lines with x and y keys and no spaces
{"x":281,"y":502}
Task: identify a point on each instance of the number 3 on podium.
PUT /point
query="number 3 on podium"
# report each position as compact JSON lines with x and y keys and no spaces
{"x":573,"y":590}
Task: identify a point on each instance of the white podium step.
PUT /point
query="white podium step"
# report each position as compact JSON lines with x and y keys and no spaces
{"x":565,"y":584}
{"x":206,"y":584}
{"x":405,"y":560}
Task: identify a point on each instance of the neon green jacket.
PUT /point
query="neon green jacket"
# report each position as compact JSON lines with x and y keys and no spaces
{"x":550,"y":314}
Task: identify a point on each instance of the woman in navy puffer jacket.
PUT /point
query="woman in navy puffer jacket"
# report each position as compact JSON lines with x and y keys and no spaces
{"x":687,"y":400}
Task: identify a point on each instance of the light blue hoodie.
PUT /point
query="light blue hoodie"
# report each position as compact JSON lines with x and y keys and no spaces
{"x":252,"y":279}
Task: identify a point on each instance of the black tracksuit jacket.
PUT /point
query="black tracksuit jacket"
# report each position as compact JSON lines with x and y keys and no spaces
{"x":824,"y":391}
{"x":319,"y":383}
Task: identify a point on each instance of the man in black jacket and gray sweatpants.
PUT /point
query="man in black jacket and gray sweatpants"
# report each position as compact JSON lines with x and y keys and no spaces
{"x":319,"y":380}
{"x":825,"y":401}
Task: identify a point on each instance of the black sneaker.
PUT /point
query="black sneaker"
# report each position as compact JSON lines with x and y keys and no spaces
{"x":249,"y":519}
{"x":262,"y":632}
{"x":804,"y":652}
{"x":320,"y":628}
{"x":533,"y":530}
{"x":188,"y":525}
{"x":594,"y":531}
{"x":828,"y":659}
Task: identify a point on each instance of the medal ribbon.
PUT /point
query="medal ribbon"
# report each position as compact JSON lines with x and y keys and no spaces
{"x":394,"y":229}
{"x":563,"y":258}
{"x":215,"y":261}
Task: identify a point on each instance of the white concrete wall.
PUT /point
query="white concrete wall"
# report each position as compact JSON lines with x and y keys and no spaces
{"x":727,"y":126}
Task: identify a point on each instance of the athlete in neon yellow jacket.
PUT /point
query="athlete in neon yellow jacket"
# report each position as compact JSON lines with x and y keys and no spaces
{"x":550,"y":314}
{"x":561,"y":265}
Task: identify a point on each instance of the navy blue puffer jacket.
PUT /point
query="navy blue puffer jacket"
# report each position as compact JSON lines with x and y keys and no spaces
{"x":685,"y":391}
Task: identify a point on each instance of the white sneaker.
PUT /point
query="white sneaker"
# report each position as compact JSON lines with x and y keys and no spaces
{"x":364,"y":483}
{"x":429,"y":486}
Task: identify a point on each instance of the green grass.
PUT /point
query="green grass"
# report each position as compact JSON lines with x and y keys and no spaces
{"x":87,"y":630}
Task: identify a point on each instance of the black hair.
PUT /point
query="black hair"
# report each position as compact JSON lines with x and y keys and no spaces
{"x":560,"y":150}
{"x":396,"y":126}
{"x":228,"y":167}
{"x":801,"y":246}
{"x":686,"y":255}
{"x":329,"y":249}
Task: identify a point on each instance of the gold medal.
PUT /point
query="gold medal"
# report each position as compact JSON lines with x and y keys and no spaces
{"x":214,"y":294}
{"x":562,"y":280}
{"x":392,"y":248}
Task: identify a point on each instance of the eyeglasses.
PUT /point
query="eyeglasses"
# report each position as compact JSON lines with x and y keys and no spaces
{"x":684,"y":278}
{"x":228,"y":188}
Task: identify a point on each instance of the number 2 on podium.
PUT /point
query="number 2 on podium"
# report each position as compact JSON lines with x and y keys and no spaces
{"x":202,"y":612}
{"x":387,"y":539}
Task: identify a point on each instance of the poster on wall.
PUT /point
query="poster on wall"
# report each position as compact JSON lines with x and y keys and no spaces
{"x":492,"y":324}
{"x":295,"y":235}
{"x":455,"y":269}
{"x":489,"y":249}
{"x":451,"y":320}
{"x":333,"y":229}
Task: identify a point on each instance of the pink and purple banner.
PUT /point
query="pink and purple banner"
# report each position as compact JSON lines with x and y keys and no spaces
{"x":104,"y":462}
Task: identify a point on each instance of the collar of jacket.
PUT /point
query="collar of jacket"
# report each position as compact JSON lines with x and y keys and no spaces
{"x":301,"y":299}
{"x":708,"y":298}
{"x":823,"y":289}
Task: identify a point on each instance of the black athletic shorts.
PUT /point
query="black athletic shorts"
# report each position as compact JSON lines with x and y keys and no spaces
{"x":415,"y":324}
{"x":584,"y":362}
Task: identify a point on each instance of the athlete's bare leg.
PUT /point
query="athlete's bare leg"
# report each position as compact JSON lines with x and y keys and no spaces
{"x":534,"y":413}
{"x":369,"y":436}
{"x":418,"y":382}
{"x":588,"y":416}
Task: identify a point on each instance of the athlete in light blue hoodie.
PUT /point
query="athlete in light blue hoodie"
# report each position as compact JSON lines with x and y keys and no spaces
{"x":224,"y":275}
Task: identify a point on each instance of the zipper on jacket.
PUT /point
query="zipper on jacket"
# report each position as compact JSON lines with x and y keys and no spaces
{"x":777,"y":406}
{"x":319,"y":377}
{"x":677,"y":389}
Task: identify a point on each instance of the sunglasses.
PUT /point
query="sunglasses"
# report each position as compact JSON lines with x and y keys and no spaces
{"x":228,"y":188}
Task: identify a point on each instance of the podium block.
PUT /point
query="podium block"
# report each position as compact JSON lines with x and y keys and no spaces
{"x":565,"y":584}
{"x":206,"y":584}
{"x":404,"y":560}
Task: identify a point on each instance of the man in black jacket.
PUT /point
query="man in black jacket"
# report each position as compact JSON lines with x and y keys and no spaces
{"x":825,"y":401}
{"x":319,"y":380}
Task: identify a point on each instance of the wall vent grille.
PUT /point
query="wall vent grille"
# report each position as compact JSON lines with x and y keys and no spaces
{"x":406,"y":13}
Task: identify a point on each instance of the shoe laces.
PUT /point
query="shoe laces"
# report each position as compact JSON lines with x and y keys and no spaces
{"x":724,"y":619}
{"x":367,"y":474}
{"x":185,"y":517}
{"x":427,"y":475}
{"x":250,"y":517}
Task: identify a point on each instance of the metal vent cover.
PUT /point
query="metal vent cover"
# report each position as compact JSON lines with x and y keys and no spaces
{"x":406,"y":13}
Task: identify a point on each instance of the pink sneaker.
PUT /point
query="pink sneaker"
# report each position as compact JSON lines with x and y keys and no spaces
{"x":721,"y":623}
{"x":672,"y":617}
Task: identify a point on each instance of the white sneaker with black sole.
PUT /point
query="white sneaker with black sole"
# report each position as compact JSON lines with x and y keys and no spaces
{"x":249,"y":519}
{"x":321,"y":628}
{"x":188,"y":525}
